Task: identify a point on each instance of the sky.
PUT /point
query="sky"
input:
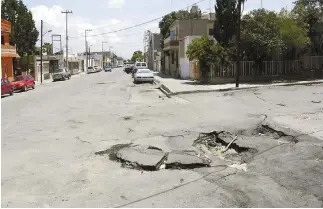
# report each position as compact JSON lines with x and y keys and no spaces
{"x":105,"y":17}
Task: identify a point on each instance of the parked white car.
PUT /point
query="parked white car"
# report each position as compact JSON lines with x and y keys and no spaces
{"x":90,"y":70}
{"x":97,"y":68}
{"x":143,"y":75}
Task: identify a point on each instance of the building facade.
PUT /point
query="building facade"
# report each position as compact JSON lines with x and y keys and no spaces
{"x":154,"y":52}
{"x":174,"y":45}
{"x":8,"y":52}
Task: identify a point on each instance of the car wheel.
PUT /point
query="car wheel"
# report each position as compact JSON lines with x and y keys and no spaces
{"x":69,"y":77}
{"x":33,"y":87}
{"x":25,"y":88}
{"x":11,"y":93}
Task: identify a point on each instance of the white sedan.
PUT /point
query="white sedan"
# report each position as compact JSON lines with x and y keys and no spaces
{"x":143,"y":75}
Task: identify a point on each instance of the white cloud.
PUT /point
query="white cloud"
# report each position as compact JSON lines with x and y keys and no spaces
{"x":54,"y":20}
{"x":116,"y":4}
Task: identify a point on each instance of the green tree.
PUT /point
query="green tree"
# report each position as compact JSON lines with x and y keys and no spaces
{"x":23,"y":31}
{"x":260,"y":36}
{"x":137,"y":55}
{"x":311,"y":13}
{"x":47,"y":48}
{"x":225,"y":26}
{"x":207,"y":53}
{"x":294,"y":34}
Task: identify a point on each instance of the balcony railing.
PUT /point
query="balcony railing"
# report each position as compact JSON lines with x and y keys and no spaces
{"x":171,"y":41}
{"x":8,"y":51}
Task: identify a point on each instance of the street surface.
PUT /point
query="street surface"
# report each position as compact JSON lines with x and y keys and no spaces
{"x":50,"y":136}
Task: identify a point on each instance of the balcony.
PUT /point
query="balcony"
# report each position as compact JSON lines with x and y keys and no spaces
{"x":171,"y":42}
{"x":8,"y":51}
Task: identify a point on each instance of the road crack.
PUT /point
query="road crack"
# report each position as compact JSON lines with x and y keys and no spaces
{"x":83,"y":141}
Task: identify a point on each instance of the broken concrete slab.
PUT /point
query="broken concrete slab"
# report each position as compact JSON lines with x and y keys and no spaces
{"x":183,"y":160}
{"x":141,"y":158}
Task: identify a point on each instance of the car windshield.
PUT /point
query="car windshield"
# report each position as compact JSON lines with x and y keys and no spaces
{"x":90,"y":68}
{"x":59,"y":70}
{"x":19,"y":78}
{"x":144,"y":71}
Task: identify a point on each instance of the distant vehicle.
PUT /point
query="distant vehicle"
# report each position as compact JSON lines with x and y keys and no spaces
{"x":143,"y":75}
{"x":90,"y":70}
{"x":141,"y":65}
{"x":23,"y":83}
{"x":97,"y":68}
{"x":128,"y":69}
{"x":61,"y":74}
{"x":107,"y":69}
{"x":138,"y":65}
{"x":6,"y":87}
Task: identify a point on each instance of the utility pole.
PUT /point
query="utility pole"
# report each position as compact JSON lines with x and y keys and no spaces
{"x":238,"y":44}
{"x":86,"y":49}
{"x":41,"y":51}
{"x":103,"y":42}
{"x":66,"y":12}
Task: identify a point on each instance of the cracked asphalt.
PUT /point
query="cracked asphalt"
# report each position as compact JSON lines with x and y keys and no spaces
{"x":50,"y":136}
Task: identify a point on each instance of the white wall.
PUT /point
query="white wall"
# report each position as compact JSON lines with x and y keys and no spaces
{"x":184,"y":62}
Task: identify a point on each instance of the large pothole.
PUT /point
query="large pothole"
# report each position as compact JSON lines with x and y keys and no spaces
{"x":268,"y":130}
{"x":151,"y":158}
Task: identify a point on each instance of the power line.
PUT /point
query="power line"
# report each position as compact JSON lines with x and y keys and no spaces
{"x":137,"y":25}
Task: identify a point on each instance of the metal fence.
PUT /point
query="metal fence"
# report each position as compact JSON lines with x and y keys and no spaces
{"x":268,"y":68}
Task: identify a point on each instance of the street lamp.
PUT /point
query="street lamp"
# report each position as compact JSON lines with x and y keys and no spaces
{"x":103,"y":42}
{"x":41,"y":49}
{"x":86,"y":49}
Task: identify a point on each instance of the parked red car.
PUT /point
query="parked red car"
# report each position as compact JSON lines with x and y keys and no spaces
{"x":6,"y":87}
{"x":23,"y":82}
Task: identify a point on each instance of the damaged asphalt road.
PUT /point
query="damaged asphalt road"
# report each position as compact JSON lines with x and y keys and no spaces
{"x":80,"y":153}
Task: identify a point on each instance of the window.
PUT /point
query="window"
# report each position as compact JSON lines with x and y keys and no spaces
{"x":211,"y":31}
{"x":2,"y":40}
{"x":143,"y":65}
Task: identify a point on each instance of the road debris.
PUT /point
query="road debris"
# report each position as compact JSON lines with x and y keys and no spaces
{"x":151,"y":158}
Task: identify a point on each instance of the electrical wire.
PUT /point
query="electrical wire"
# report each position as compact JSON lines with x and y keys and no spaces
{"x":137,"y":25}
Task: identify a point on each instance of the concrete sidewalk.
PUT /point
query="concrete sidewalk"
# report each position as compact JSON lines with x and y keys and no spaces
{"x":172,"y":86}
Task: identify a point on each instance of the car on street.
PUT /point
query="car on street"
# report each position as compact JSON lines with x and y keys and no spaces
{"x":23,"y":83}
{"x":128,"y":69}
{"x":138,"y":65}
{"x":107,"y":69}
{"x":143,"y":75}
{"x":61,"y":74}
{"x":90,"y":69}
{"x":6,"y":87}
{"x":97,"y":68}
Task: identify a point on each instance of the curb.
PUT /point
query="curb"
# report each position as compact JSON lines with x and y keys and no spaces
{"x":169,"y":93}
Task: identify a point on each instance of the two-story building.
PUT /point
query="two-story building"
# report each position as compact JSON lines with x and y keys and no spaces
{"x":154,"y":52}
{"x":8,"y":52}
{"x":175,"y":45}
